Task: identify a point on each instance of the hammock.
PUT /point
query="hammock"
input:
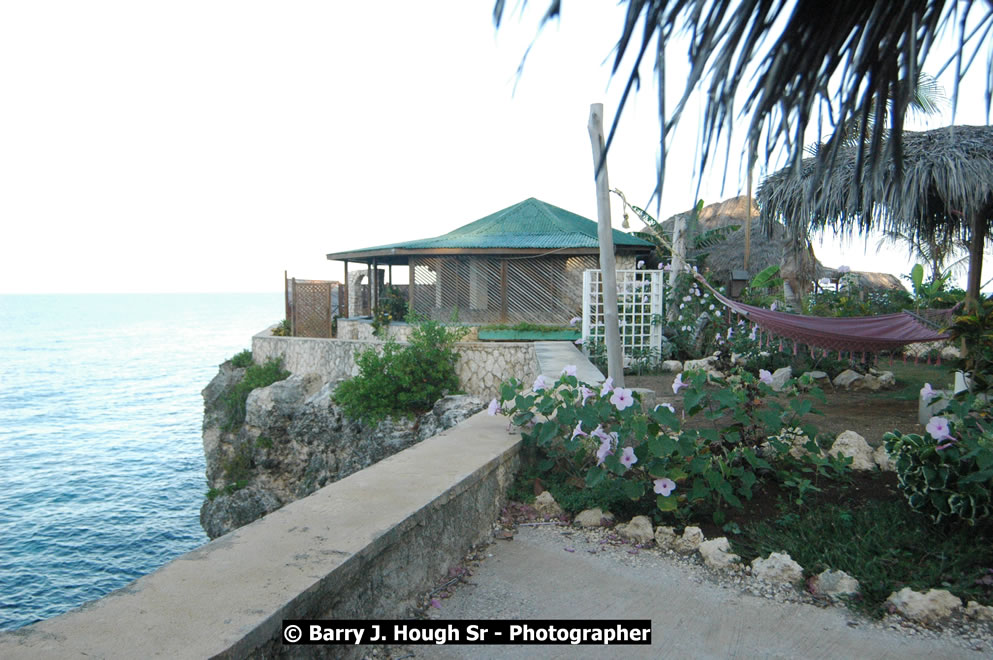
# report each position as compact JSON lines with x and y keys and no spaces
{"x":867,"y":334}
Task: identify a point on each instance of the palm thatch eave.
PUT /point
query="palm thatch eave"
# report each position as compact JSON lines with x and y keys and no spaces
{"x":943,"y":190}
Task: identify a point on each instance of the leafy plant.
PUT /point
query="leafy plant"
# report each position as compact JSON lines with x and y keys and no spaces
{"x":947,"y":475}
{"x":255,"y":376}
{"x":592,"y":438}
{"x":243,"y":359}
{"x":392,"y":306}
{"x":283,"y":329}
{"x":926,"y":292}
{"x":403,"y":379}
{"x":976,"y":328}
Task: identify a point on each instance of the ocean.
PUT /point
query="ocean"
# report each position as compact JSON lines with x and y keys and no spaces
{"x":101,"y":461}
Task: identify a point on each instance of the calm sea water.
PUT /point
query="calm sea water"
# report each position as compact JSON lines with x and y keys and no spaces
{"x":101,"y":461}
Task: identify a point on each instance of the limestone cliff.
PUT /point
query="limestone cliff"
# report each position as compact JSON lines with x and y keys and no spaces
{"x":295,"y":440}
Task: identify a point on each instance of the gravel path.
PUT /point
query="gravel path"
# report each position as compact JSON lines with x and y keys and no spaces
{"x":548,"y":572}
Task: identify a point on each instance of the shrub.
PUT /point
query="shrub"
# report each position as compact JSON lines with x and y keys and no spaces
{"x":392,"y":306}
{"x":947,"y":475}
{"x":255,"y":376}
{"x":403,"y":379}
{"x":592,"y":437}
{"x":242,"y":360}
{"x":282,"y":329}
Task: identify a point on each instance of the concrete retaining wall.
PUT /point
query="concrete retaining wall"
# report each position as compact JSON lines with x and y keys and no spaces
{"x":481,"y":368}
{"x":363,"y":547}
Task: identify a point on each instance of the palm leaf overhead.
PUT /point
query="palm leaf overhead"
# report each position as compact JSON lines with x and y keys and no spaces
{"x":940,"y":192}
{"x":793,"y":61}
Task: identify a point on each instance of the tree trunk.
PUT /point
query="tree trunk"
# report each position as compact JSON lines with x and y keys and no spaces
{"x":976,"y":259}
{"x":608,"y":270}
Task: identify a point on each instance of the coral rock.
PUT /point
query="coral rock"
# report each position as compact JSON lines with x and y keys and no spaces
{"x":690,"y":540}
{"x":778,"y":567}
{"x":638,"y":530}
{"x":717,"y":553}
{"x":850,"y":443}
{"x":930,"y":607}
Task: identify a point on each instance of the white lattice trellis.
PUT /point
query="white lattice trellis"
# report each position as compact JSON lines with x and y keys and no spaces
{"x":639,"y":312}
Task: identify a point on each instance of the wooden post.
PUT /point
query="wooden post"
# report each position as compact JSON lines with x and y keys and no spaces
{"x":345,"y":315}
{"x":293,"y":315}
{"x":678,"y":262}
{"x":286,"y":295}
{"x":330,"y":313}
{"x":608,"y":269}
{"x":976,"y":242}
{"x":410,"y":287}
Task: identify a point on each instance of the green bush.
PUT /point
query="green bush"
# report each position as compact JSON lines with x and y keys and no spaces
{"x":593,"y":437}
{"x":403,"y":379}
{"x":242,"y":360}
{"x":948,"y":474}
{"x":282,"y":329}
{"x":255,"y":376}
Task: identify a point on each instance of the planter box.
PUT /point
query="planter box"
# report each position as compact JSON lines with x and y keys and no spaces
{"x":514,"y":335}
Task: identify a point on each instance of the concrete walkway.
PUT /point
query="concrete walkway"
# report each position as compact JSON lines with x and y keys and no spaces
{"x":554,"y":573}
{"x":554,"y":355}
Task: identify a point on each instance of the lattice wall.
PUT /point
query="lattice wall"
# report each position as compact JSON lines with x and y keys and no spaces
{"x":311,"y":306}
{"x":546,"y":290}
{"x":639,"y":311}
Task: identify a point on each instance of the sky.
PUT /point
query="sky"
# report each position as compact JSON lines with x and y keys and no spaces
{"x":210,"y":146}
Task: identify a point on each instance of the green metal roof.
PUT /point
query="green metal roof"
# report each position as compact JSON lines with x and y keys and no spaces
{"x":529,"y":225}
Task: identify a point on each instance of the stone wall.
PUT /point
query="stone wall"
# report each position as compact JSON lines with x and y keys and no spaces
{"x":482,"y":365}
{"x":366,"y":547}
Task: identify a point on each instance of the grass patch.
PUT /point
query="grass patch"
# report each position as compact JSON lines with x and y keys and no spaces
{"x":882,"y":544}
{"x":911,"y":377}
{"x":242,"y":360}
{"x":255,"y":376}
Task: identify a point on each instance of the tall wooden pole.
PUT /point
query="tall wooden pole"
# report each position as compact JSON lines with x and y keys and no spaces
{"x":608,"y":270}
{"x":748,"y":221}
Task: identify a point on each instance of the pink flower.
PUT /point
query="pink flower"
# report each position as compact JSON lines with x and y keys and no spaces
{"x":586,"y":393}
{"x":574,"y":320}
{"x":678,"y":384}
{"x":598,"y":432}
{"x":603,"y":452}
{"x":927,"y":393}
{"x":664,"y":486}
{"x":765,"y":376}
{"x":628,"y":458}
{"x":641,"y":263}
{"x":939,"y":429}
{"x":569,"y":370}
{"x":773,"y":307}
{"x":578,"y":342}
{"x":621,"y":398}
{"x":494,"y":407}
{"x":662,"y":265}
{"x":730,"y":332}
{"x":751,"y":335}
{"x":577,"y":431}
{"x":539,"y":384}
{"x":668,"y":268}
{"x":436,"y":603}
{"x":608,"y":385}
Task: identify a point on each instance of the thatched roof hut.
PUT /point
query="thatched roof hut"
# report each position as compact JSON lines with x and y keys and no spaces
{"x":944,"y":190}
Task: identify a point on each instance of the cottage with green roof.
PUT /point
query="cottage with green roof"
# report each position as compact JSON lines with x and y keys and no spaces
{"x":523,"y":263}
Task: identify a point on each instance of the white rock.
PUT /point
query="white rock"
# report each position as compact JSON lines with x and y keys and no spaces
{"x":846,"y":378}
{"x":850,"y":443}
{"x":883,"y":459}
{"x":690,"y":540}
{"x":979,"y":612}
{"x":779,"y":378}
{"x":638,"y":530}
{"x":672,"y":366}
{"x":717,"y":553}
{"x":778,"y":567}
{"x":817,"y":375}
{"x":738,"y":359}
{"x":592,"y":518}
{"x":930,"y":607}
{"x":834,"y":583}
{"x":664,"y":536}
{"x":950,"y":353}
{"x":794,"y":437}
{"x":867,"y":382}
{"x":699,"y":365}
{"x":546,"y":505}
{"x":887,"y":379}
